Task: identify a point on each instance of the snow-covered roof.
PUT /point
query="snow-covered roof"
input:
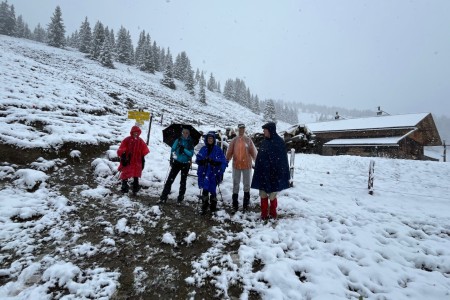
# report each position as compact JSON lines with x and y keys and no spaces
{"x":386,"y":141}
{"x":396,"y":121}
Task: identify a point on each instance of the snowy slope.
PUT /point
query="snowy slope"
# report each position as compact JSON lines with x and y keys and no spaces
{"x":332,"y":241}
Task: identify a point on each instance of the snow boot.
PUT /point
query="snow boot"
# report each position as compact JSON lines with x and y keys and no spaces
{"x":205,"y":204}
{"x":246,"y":201}
{"x":235,"y":202}
{"x":136,"y":186}
{"x":213,"y":204}
{"x":124,"y":186}
{"x":264,"y":208}
{"x":180,"y":199}
{"x":273,"y":208}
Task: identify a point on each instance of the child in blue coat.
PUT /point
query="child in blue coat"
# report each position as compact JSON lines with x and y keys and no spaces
{"x":211,"y":166}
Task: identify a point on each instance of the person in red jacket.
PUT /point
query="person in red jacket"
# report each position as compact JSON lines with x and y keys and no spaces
{"x":132,"y":151}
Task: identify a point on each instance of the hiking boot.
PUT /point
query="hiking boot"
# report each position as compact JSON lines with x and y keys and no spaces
{"x":205,"y":204}
{"x":235,"y":202}
{"x":180,"y":199}
{"x":125,"y":187}
{"x":246,"y":203}
{"x":213,"y":205}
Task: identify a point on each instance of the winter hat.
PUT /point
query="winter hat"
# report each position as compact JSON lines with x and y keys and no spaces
{"x":241,"y":125}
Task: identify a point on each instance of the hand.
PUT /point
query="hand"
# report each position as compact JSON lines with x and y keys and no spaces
{"x":181,"y":148}
{"x":123,"y":159}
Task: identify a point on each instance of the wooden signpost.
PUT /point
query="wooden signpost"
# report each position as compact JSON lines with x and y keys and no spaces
{"x":140,"y":117}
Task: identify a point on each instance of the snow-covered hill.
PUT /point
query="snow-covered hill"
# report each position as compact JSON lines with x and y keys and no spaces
{"x":50,"y":96}
{"x":57,"y":239}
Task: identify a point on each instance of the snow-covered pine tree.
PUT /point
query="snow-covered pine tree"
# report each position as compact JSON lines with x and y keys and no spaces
{"x":162,"y":60}
{"x":85,"y":37}
{"x":197,"y":76}
{"x":168,"y":72}
{"x":20,"y":27}
{"x":149,"y":61}
{"x":202,"y":93}
{"x":139,"y":53}
{"x":98,"y":39}
{"x":218,"y":87}
{"x":155,"y":54}
{"x":168,"y":78}
{"x":211,"y":85}
{"x":228,"y":90}
{"x":122,"y":47}
{"x":39,"y":33}
{"x":190,"y":83}
{"x":269,"y":114}
{"x":7,"y":19}
{"x":105,"y":56}
{"x":56,"y":30}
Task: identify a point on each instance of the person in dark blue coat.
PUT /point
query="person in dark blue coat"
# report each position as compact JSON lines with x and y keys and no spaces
{"x":211,"y":166}
{"x":182,"y":152}
{"x":271,"y":173}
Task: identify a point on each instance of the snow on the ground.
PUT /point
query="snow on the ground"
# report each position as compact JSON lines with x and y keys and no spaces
{"x":332,"y":240}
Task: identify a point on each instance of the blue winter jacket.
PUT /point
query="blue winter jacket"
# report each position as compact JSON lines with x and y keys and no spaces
{"x":211,"y":165}
{"x":271,"y":165}
{"x":188,"y":151}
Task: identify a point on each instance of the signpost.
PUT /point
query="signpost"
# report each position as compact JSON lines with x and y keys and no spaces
{"x":141,"y":116}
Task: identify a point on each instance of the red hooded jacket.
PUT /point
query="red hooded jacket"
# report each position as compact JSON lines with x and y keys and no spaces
{"x":135,"y":149}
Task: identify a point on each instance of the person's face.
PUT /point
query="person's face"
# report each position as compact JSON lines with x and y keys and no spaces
{"x":185,"y":133}
{"x":135,"y":134}
{"x":266,"y":133}
{"x":210,"y":140}
{"x":241,"y":131}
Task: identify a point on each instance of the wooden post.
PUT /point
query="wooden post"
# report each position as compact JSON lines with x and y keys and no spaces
{"x":149,"y":128}
{"x":371,"y":176}
{"x":445,"y":152}
{"x":291,"y":167}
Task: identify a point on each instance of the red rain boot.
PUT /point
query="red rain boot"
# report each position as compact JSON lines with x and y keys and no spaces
{"x":273,"y":208}
{"x":264,"y":208}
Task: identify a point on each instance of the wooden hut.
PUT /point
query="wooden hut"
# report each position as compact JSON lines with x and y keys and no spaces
{"x":396,"y":136}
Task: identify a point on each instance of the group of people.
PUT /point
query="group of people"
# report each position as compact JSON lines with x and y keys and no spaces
{"x":271,"y":169}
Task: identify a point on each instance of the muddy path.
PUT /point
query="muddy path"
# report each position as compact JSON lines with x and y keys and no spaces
{"x":123,"y":233}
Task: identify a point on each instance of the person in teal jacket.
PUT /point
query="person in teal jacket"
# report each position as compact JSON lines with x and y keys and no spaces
{"x":182,"y":152}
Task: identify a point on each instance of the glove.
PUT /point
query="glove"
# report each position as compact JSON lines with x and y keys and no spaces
{"x":219,"y":178}
{"x":181,"y":148}
{"x":200,"y":162}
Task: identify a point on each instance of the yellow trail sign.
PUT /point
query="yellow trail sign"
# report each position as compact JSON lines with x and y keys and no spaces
{"x":139,"y":116}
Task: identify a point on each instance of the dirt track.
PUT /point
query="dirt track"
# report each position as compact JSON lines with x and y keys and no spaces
{"x":166,"y":266}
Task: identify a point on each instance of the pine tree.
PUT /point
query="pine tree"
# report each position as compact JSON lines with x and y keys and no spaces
{"x":168,"y":78}
{"x":105,"y":57}
{"x":202,"y":95}
{"x":218,"y":87}
{"x":85,"y":37}
{"x":155,"y":54}
{"x":56,"y":31}
{"x":20,"y":27}
{"x":197,"y":76}
{"x":39,"y":33}
{"x":211,"y":86}
{"x":98,"y":39}
{"x":149,"y":61}
{"x":190,"y":83}
{"x":124,"y":48}
{"x":7,"y":19}
{"x":139,"y":54}
{"x":269,"y":114}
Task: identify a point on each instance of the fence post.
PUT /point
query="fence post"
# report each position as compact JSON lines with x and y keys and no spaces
{"x":291,"y":167}
{"x":371,"y":176}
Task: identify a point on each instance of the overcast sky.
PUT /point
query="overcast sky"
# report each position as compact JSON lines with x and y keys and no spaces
{"x":350,"y":53}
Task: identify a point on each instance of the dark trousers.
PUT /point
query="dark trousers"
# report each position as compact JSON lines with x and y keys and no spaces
{"x":175,"y":169}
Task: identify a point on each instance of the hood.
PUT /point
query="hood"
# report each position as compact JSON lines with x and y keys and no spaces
{"x":135,"y":129}
{"x":210,"y":133}
{"x":272,"y":127}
